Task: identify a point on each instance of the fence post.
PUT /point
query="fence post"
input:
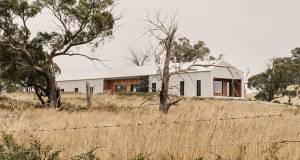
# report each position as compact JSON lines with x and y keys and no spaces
{"x":88,"y":95}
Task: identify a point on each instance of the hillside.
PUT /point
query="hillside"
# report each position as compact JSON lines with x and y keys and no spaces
{"x":122,"y":128}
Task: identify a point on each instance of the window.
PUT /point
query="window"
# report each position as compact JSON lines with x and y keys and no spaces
{"x":62,"y":90}
{"x":135,"y":88}
{"x":182,"y":88}
{"x":218,"y":87}
{"x":153,"y":87}
{"x":76,"y":90}
{"x":120,"y":88}
{"x":92,"y":90}
{"x":198,"y":87}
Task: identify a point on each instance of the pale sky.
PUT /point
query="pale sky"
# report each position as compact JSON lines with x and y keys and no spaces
{"x":247,"y":32}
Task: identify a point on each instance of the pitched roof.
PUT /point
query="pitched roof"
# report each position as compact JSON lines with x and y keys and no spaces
{"x":130,"y":71}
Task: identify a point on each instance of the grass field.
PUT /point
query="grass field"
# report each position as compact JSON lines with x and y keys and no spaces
{"x":121,"y":128}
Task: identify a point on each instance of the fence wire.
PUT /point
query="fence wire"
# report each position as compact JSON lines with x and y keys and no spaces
{"x":147,"y":124}
{"x":191,"y":147}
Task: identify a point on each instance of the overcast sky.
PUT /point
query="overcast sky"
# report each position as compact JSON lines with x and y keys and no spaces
{"x":247,"y":32}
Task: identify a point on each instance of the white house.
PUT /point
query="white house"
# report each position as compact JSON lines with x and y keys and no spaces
{"x":209,"y":79}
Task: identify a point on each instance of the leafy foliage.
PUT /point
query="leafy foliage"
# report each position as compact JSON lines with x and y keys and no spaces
{"x":10,"y":149}
{"x":27,"y":59}
{"x":282,"y":73}
{"x":184,"y":51}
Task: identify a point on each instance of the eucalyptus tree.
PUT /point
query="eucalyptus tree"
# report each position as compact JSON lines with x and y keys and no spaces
{"x":184,"y":51}
{"x":283,"y":72}
{"x":78,"y":22}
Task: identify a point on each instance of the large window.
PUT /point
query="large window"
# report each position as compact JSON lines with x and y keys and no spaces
{"x":182,"y":88}
{"x":218,"y":87}
{"x":135,"y":88}
{"x":120,"y":88}
{"x":227,"y":87}
{"x":198,"y":87}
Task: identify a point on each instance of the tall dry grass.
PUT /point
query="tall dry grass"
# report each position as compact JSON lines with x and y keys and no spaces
{"x":216,"y":139}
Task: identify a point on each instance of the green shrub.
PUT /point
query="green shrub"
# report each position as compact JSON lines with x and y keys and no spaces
{"x":11,"y":150}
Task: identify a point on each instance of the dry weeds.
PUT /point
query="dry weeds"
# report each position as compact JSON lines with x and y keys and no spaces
{"x":216,"y":139}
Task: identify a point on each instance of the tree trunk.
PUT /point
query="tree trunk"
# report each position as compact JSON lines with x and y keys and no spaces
{"x":163,"y":96}
{"x":53,"y":91}
{"x":38,"y":93}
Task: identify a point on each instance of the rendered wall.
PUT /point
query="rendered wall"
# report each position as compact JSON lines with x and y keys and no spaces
{"x":69,"y":86}
{"x":190,"y":84}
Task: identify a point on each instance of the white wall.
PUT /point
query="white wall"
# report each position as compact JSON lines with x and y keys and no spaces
{"x":69,"y":86}
{"x":190,"y":84}
{"x":233,"y":73}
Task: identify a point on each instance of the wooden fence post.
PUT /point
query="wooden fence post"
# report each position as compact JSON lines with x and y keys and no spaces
{"x":88,"y":95}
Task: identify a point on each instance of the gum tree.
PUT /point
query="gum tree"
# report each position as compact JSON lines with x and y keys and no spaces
{"x":78,"y":22}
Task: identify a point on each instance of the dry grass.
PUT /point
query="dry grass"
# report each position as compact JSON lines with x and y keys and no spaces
{"x":229,"y":139}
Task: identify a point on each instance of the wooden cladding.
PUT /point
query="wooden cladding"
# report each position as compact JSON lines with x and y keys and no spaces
{"x":227,"y":87}
{"x":125,"y":85}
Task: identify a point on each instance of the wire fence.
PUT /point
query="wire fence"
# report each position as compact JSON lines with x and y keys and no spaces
{"x":174,"y":148}
{"x":149,"y":123}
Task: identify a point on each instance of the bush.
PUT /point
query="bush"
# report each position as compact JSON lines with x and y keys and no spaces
{"x":10,"y":149}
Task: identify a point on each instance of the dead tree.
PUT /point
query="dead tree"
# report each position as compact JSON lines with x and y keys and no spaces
{"x":138,"y":57}
{"x":164,"y":30}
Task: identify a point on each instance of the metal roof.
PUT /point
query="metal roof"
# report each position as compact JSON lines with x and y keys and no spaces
{"x":131,"y":71}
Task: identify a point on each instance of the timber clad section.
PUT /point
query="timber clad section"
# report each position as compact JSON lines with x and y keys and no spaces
{"x":227,"y":87}
{"x":126,"y":85}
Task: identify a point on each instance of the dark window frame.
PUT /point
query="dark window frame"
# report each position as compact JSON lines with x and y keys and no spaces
{"x":181,"y":88}
{"x":153,"y":87}
{"x":123,"y":88}
{"x":76,"y":90}
{"x":199,"y":87}
{"x":92,"y":89}
{"x":135,"y":86}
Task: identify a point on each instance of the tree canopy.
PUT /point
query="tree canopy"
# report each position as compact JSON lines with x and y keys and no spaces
{"x":282,"y":73}
{"x":30,"y":56}
{"x":184,"y":51}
